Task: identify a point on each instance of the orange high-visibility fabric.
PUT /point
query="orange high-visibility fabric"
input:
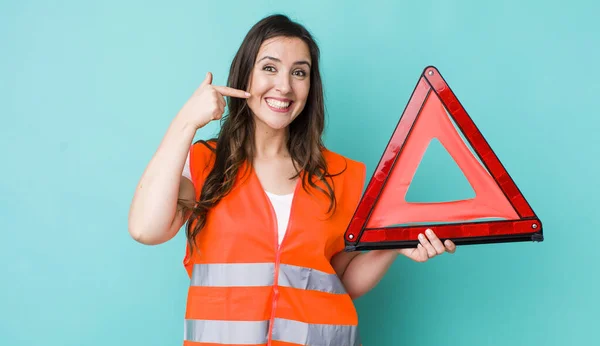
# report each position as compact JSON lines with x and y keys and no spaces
{"x":242,"y":230}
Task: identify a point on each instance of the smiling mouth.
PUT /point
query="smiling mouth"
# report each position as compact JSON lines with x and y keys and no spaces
{"x":279,"y":106}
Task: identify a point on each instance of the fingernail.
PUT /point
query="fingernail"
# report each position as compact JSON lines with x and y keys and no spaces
{"x":247,"y":94}
{"x":429,"y":232}
{"x":421,"y":236}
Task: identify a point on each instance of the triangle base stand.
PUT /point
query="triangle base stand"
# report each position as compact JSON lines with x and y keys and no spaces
{"x":377,"y":240}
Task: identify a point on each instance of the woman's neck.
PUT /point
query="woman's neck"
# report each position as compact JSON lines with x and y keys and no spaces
{"x":270,"y":143}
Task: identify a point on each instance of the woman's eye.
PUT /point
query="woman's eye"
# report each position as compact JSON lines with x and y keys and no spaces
{"x":269,"y":68}
{"x":300,"y":73}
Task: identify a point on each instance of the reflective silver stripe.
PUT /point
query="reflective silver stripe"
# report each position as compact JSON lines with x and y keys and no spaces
{"x":233,"y":274}
{"x":226,"y":332}
{"x":315,"y":334}
{"x":309,"y":279}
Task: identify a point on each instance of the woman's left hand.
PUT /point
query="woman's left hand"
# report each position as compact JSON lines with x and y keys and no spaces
{"x":429,"y":247}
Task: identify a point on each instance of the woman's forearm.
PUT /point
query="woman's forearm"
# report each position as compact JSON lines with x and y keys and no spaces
{"x":366,"y":270}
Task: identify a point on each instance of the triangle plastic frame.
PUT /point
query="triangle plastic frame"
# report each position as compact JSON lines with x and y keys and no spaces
{"x":524,"y":226}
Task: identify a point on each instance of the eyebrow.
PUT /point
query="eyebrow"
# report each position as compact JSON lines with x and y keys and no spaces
{"x":300,"y":62}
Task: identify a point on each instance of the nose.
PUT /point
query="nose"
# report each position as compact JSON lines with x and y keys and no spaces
{"x":283,"y":83}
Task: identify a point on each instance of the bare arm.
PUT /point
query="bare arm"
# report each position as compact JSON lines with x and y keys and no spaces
{"x":155,"y":216}
{"x":361,"y":272}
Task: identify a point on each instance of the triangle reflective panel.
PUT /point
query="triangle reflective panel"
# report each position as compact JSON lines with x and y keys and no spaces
{"x":497,"y":213}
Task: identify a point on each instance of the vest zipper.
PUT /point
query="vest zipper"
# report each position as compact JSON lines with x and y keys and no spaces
{"x":278,"y":255}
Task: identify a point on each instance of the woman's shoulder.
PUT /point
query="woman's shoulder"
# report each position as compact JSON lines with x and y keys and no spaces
{"x":340,"y":164}
{"x":349,"y":173}
{"x":203,"y":149}
{"x":205,"y":145}
{"x":201,"y":157}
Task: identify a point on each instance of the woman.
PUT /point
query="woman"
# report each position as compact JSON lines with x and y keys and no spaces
{"x":267,"y":204}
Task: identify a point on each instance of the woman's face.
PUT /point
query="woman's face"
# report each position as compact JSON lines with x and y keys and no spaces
{"x":280,"y":81}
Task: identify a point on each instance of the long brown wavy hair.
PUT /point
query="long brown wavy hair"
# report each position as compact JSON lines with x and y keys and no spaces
{"x":235,"y":141}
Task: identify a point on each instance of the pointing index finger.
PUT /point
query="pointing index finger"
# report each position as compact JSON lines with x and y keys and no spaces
{"x":227,"y":91}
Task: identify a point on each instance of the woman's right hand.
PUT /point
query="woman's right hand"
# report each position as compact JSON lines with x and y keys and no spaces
{"x":207,"y":103}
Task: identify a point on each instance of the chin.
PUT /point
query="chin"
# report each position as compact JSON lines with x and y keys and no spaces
{"x":275,"y":124}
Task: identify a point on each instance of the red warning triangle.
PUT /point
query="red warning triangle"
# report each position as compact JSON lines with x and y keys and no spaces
{"x":383,"y":218}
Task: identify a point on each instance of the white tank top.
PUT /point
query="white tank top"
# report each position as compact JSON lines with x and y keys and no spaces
{"x":282,"y":204}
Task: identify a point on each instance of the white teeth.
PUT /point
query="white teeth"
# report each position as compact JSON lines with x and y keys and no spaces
{"x":278,"y":104}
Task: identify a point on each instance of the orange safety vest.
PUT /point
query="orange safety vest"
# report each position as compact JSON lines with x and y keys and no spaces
{"x":245,"y":289}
